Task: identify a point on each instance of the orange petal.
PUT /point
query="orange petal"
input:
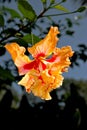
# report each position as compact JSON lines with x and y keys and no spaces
{"x":27,"y":81}
{"x":41,"y":84}
{"x":18,"y":56}
{"x":46,"y":46}
{"x":43,"y":87}
{"x":33,"y":84}
{"x":39,"y":90}
{"x":56,"y":72}
{"x":64,"y":54}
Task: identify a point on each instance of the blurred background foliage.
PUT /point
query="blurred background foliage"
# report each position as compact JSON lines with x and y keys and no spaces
{"x":22,"y":24}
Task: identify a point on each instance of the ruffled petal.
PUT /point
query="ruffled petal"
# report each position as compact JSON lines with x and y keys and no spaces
{"x":46,"y":46}
{"x":56,"y":72}
{"x":45,"y":83}
{"x":61,"y":58}
{"x":64,"y":54}
{"x":33,"y":83}
{"x":41,"y":84}
{"x":18,"y":56}
{"x":27,"y":81}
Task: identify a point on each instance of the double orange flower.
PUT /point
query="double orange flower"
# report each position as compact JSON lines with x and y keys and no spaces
{"x":43,"y":73}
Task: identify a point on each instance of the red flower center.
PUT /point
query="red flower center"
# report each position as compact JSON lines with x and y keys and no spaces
{"x":36,"y":64}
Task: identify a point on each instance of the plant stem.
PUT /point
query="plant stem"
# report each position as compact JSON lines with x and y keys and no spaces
{"x":59,"y":14}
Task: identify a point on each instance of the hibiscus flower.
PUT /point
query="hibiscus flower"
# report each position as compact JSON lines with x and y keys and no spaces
{"x":43,"y":72}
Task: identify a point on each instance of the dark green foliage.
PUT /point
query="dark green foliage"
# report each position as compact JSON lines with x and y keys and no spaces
{"x":81,"y":9}
{"x":2,"y":51}
{"x":68,"y":107}
{"x":6,"y":75}
{"x":1,"y":20}
{"x":26,"y":10}
{"x":69,"y":32}
{"x":13,"y":13}
{"x":69,"y":22}
{"x":79,"y":55}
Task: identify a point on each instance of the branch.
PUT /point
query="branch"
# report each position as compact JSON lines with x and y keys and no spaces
{"x":13,"y":34}
{"x":59,"y":14}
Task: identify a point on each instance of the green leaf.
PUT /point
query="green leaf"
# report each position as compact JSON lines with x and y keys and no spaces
{"x":81,"y":9}
{"x":52,"y":1}
{"x":69,"y":22}
{"x":44,"y":1}
{"x":69,"y":32}
{"x":64,"y":0}
{"x":27,"y":39}
{"x":62,"y":8}
{"x":14,"y":14}
{"x":31,"y":38}
{"x":77,"y":116}
{"x":20,"y":41}
{"x":26,"y":9}
{"x":9,"y":31}
{"x":6,"y":75}
{"x":1,"y":21}
{"x":82,"y":46}
{"x":2,"y":51}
